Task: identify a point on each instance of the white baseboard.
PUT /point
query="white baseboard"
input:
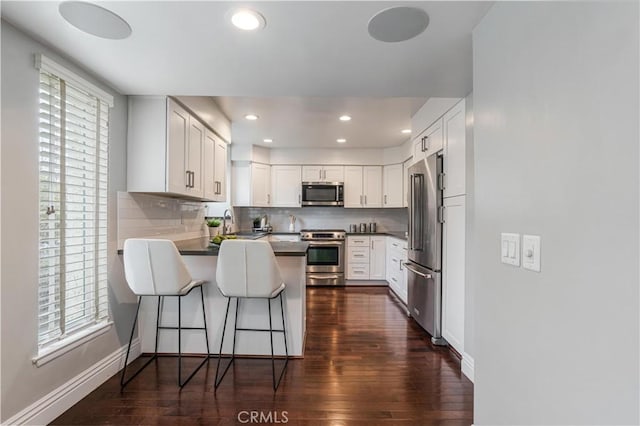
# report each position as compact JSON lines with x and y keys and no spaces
{"x":56,"y":402}
{"x":468,"y":366}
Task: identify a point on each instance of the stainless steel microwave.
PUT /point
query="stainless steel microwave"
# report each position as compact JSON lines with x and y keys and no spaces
{"x":322,"y":194}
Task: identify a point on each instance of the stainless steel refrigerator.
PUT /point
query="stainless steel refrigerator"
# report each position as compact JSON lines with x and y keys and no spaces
{"x":425,"y":245}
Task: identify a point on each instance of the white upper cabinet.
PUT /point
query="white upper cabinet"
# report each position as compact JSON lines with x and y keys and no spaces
{"x":208,"y":165}
{"x":405,"y":182}
{"x":392,"y":186}
{"x":220,"y":171}
{"x":168,"y":150}
{"x":214,"y":167}
{"x":260,"y":185}
{"x":454,"y":161}
{"x":322,"y":174}
{"x":363,"y":186}
{"x":428,"y":142}
{"x":286,"y":186}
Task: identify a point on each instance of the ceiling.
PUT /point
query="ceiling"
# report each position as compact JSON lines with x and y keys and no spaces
{"x":313,"y":62}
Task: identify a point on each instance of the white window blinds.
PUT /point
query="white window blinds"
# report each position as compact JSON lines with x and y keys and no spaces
{"x":73,"y":165}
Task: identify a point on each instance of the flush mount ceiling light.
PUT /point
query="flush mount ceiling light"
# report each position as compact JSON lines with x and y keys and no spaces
{"x":94,"y":20}
{"x":267,"y":140}
{"x":341,"y":140}
{"x":247,"y":19}
{"x":345,"y":118}
{"x":398,"y":24}
{"x":405,"y":131}
{"x":251,"y":117}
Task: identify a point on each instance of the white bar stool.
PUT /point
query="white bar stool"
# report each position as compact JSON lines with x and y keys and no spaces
{"x":248,"y":270}
{"x":155,"y":268}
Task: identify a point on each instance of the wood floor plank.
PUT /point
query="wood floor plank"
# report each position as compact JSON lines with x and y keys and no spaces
{"x":365,"y":363}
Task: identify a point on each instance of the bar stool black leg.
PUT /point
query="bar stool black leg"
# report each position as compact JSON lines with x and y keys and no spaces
{"x":273,"y":361}
{"x":204,"y":318}
{"x":124,"y":382}
{"x":224,"y":329}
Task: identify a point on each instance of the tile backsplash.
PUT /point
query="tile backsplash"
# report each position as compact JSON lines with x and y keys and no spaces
{"x":146,"y":215}
{"x":387,"y":220}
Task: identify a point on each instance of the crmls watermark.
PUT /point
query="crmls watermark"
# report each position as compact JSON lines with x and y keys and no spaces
{"x":264,"y":417}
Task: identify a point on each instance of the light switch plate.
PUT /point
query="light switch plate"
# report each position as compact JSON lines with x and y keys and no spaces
{"x":510,"y":249}
{"x":531,"y":252}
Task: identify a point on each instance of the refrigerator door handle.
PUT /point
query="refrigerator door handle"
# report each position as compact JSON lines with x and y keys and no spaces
{"x":419,"y":179}
{"x":415,"y":271}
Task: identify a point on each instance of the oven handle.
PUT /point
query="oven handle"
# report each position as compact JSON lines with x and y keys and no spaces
{"x":325,"y":243}
{"x":323,"y":277}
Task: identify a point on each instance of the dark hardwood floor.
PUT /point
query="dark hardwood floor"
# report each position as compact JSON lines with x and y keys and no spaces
{"x":365,"y":363}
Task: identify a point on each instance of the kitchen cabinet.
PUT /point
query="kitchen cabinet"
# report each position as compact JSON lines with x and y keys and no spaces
{"x":362,"y":186}
{"x":366,"y":257}
{"x":428,"y":142}
{"x":250,"y":184}
{"x":168,"y":150}
{"x":392,"y":186}
{"x":405,"y":182}
{"x":453,"y":271}
{"x":285,"y":186}
{"x":396,"y":273}
{"x":214,"y":166}
{"x":454,"y":154}
{"x":322,"y":174}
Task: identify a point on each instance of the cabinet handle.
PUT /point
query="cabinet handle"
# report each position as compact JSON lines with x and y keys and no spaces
{"x":299,"y":199}
{"x":320,"y":174}
{"x":400,"y":265}
{"x":371,"y":244}
{"x":385,"y":198}
{"x":188,"y":184}
{"x":358,"y":255}
{"x":426,"y":143}
{"x":219,"y":188}
{"x":361,"y":200}
{"x":365,"y":200}
{"x":268,"y":198}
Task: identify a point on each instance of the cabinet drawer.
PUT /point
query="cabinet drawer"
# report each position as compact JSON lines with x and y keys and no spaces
{"x":358,"y":271}
{"x":358,"y":241}
{"x":358,"y":255}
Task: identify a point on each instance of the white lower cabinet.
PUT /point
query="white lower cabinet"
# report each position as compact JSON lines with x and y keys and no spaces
{"x":366,"y":257}
{"x":453,"y":274}
{"x":396,"y":275}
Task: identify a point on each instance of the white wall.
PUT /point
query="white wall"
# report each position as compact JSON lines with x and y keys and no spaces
{"x":23,"y":383}
{"x":556,"y":154}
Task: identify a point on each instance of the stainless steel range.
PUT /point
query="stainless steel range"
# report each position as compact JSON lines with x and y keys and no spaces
{"x":325,"y":256}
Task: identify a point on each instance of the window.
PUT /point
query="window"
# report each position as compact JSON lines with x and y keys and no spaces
{"x":73,"y":167}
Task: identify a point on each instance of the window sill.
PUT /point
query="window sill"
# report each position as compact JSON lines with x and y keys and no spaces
{"x":60,"y":348}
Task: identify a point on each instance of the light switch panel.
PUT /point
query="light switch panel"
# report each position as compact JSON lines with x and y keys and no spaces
{"x":510,"y":253}
{"x":531,"y":252}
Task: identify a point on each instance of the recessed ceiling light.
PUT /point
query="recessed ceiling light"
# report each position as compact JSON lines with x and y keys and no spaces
{"x":345,"y":118}
{"x":251,"y":117}
{"x":341,"y":140}
{"x":94,"y":20}
{"x":398,"y":24}
{"x":267,"y":140}
{"x":405,"y":131}
{"x":247,"y":19}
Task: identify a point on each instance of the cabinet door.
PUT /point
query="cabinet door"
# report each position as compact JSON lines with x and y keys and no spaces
{"x":377,"y":258}
{"x":220,"y":171}
{"x":194,"y":157}
{"x":372,"y":183}
{"x":433,"y":138}
{"x":177,"y":140}
{"x":454,"y":161}
{"x":417,"y":151}
{"x":285,"y":186}
{"x":208,"y":166}
{"x":333,"y":174}
{"x":260,"y":185}
{"x":405,"y":182}
{"x":392,"y":186}
{"x":453,"y":274}
{"x":311,"y":174}
{"x":353,"y":186}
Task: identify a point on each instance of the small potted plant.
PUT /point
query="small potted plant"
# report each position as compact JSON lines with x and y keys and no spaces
{"x":214,"y":227}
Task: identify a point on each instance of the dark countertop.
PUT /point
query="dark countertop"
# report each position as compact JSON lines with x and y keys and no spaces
{"x":395,"y":234}
{"x":201,"y":247}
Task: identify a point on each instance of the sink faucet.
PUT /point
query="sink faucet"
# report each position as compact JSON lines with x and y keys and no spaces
{"x":227,"y":214}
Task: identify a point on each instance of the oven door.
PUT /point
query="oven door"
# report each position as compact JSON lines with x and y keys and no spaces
{"x":325,"y":256}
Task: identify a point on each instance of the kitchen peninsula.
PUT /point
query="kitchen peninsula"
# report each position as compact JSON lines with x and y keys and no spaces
{"x":201,"y":260}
